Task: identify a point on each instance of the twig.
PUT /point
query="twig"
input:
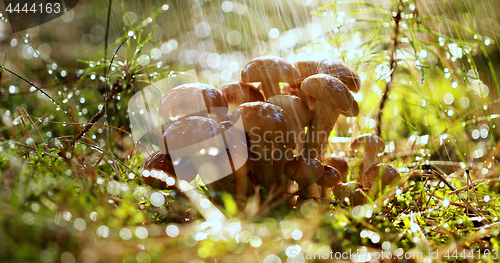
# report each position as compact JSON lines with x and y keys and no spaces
{"x":24,"y":125}
{"x":451,"y":203}
{"x":474,"y":210}
{"x":392,"y":64}
{"x":36,"y":128}
{"x":1,"y":69}
{"x":34,"y":149}
{"x":40,"y":90}
{"x":107,"y":30}
{"x":115,"y":90}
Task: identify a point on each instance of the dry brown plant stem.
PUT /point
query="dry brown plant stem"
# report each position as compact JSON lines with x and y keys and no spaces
{"x":115,"y":90}
{"x":392,"y":65}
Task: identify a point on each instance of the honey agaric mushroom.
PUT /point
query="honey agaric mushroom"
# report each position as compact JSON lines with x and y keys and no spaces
{"x":199,"y":139}
{"x":373,"y":145}
{"x":307,"y":68}
{"x":306,"y":172}
{"x":266,"y":123}
{"x":237,"y":93}
{"x":330,"y":67}
{"x":341,"y":71}
{"x":194,"y":99}
{"x":354,"y":112}
{"x":340,"y":164}
{"x":378,"y":177}
{"x":352,"y":191}
{"x":159,"y":171}
{"x":296,"y":91}
{"x":331,"y":177}
{"x":333,"y":98}
{"x":295,"y":107}
{"x":269,"y":71}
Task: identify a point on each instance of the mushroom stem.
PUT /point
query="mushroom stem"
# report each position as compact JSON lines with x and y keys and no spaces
{"x":224,"y":184}
{"x":291,"y":193}
{"x":263,"y":168}
{"x":244,"y":187}
{"x":312,"y":191}
{"x":241,"y":184}
{"x":301,"y":141}
{"x":326,"y":194}
{"x":281,"y":155}
{"x":322,"y":123}
{"x":369,"y":158}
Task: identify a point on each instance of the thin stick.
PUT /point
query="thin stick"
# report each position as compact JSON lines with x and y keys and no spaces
{"x":392,"y":63}
{"x":24,"y":125}
{"x":36,"y":128}
{"x":39,"y":89}
{"x":116,"y":89}
{"x":1,"y":69}
{"x":469,"y":179}
{"x":478,"y":213}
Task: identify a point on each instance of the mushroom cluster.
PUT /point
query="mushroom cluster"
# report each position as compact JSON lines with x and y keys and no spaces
{"x":287,"y":113}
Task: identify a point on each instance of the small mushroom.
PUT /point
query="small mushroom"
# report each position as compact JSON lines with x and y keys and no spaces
{"x":333,"y":98}
{"x":269,"y":71}
{"x":331,"y":177}
{"x":267,"y":124}
{"x":340,"y":164}
{"x":378,"y":177}
{"x":350,"y":192}
{"x":159,"y":171}
{"x":237,"y":93}
{"x":373,"y":145}
{"x":306,"y":172}
{"x":194,"y":99}
{"x":199,"y":139}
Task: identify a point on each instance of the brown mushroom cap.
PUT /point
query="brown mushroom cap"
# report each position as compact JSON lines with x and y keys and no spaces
{"x":268,"y":120}
{"x":331,"y":67}
{"x":193,"y":99}
{"x":354,"y":112}
{"x":193,"y":130}
{"x":159,"y":168}
{"x":342,"y":190}
{"x":269,"y":71}
{"x":331,"y":177}
{"x":307,"y":68}
{"x":370,"y":141}
{"x":296,"y":91}
{"x":379,"y":173}
{"x":269,"y":67}
{"x":295,"y":107}
{"x":351,"y":190}
{"x":341,"y":71}
{"x":237,"y":93}
{"x":329,"y":90}
{"x":304,"y":171}
{"x":338,"y":163}
{"x":357,"y":197}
